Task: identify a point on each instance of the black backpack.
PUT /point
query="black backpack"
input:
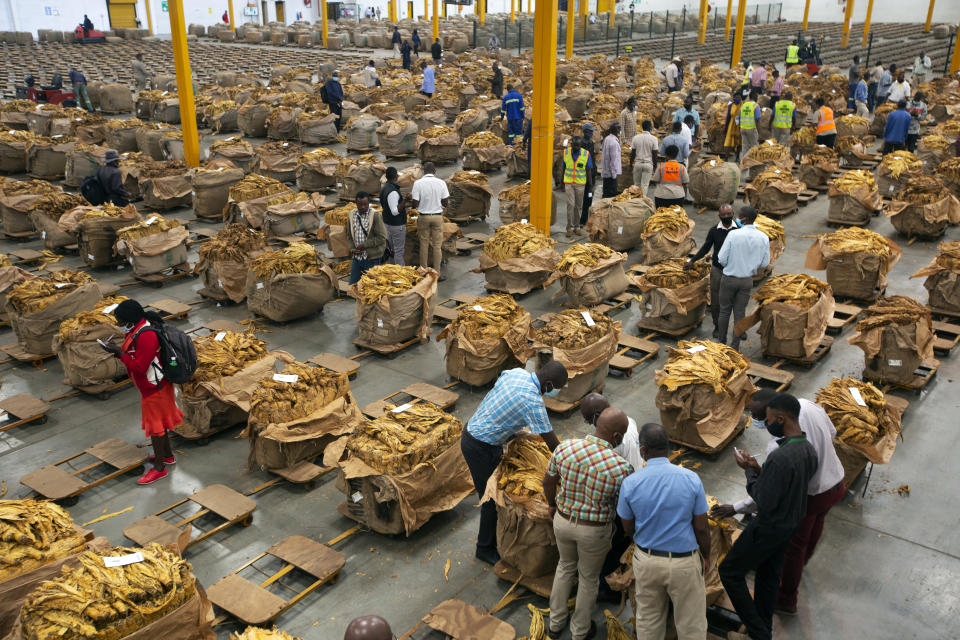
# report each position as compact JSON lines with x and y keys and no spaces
{"x":323,"y":94}
{"x":92,"y":189}
{"x":178,"y":356}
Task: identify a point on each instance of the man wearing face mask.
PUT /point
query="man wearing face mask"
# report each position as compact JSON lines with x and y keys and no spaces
{"x":715,"y":238}
{"x":581,"y":485}
{"x":780,"y":490}
{"x":515,"y":402}
{"x":824,"y":491}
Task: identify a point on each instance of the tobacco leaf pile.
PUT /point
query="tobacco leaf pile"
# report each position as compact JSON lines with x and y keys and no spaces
{"x":397,"y":442}
{"x":797,"y":289}
{"x":32,"y":534}
{"x":855,"y":423}
{"x":568,"y":329}
{"x":714,"y":365}
{"x":274,"y":401}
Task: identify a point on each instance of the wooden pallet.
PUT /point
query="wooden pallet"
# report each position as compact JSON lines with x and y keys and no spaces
{"x":615,"y":305}
{"x":947,"y":336}
{"x":254,"y":604}
{"x":702,"y":448}
{"x":769,"y":377}
{"x":822,"y":350}
{"x":836,"y":224}
{"x":471,"y":241}
{"x":335,"y":363}
{"x":56,"y":483}
{"x":410,"y":395}
{"x":540,"y":586}
{"x":806,"y":197}
{"x":22,"y":409}
{"x":923,"y":375}
{"x":216,"y":326}
{"x":385,"y":350}
{"x":18,"y":353}
{"x":446,"y":311}
{"x":156,"y":280}
{"x":944,"y":314}
{"x":858,"y":302}
{"x":668,"y":333}
{"x":844,"y":315}
{"x":632,"y":351}
{"x":217,"y":500}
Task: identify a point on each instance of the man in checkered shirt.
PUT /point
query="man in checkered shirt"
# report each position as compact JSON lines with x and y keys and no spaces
{"x":515,"y":402}
{"x":581,"y":486}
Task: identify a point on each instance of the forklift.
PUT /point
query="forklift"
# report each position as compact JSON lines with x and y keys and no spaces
{"x":51,"y":94}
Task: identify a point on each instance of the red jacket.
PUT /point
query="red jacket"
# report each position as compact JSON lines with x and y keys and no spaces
{"x":137,"y":361}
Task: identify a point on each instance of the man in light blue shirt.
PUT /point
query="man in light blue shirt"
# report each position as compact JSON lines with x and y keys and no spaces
{"x":744,"y":252}
{"x":680,"y":115}
{"x":515,"y":402}
{"x":428,"y":86}
{"x":677,"y":138}
{"x":663,"y":508}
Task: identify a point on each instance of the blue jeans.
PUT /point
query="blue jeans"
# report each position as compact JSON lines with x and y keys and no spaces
{"x":358,"y":267}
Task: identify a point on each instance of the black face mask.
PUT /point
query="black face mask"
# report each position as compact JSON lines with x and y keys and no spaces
{"x":726,"y":222}
{"x":775,"y":428}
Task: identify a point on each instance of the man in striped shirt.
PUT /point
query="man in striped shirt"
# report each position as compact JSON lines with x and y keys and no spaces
{"x":515,"y":402}
{"x":581,"y":486}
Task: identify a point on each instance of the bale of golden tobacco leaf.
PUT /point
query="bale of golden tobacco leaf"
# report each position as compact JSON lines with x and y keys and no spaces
{"x":517,"y":258}
{"x":394,"y":304}
{"x":289,"y":283}
{"x":34,"y":533}
{"x":223,"y":261}
{"x":583,"y":341}
{"x":894,"y":170}
{"x":85,"y":363}
{"x":896,"y":336}
{"x":857,"y":261}
{"x":590,"y":273}
{"x":667,"y":234}
{"x":943,"y":278}
{"x":867,"y":425}
{"x":794,"y":310}
{"x":673,"y":295}
{"x":854,"y":197}
{"x":923,"y":207}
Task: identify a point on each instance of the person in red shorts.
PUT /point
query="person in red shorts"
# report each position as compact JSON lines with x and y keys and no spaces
{"x":140,"y":354}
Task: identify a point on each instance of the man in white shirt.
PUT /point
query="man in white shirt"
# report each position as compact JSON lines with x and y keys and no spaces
{"x":643,"y":154}
{"x":429,"y":197}
{"x":922,"y":66}
{"x":899,"y":90}
{"x":824,"y":491}
{"x":744,"y":252}
{"x":370,"y":77}
{"x":672,"y":73}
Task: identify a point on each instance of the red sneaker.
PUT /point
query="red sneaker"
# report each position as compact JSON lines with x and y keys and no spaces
{"x":152,"y":476}
{"x":170,"y":460}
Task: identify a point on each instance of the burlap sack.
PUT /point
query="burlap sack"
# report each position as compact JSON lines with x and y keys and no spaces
{"x":932,"y":156}
{"x":361,"y":132}
{"x":942,"y":285}
{"x":121,"y":139}
{"x":519,"y":210}
{"x":576,"y":100}
{"x":486,"y":159}
{"x":15,"y":212}
{"x":855,"y":208}
{"x":924,"y":220}
{"x":82,"y":163}
{"x":397,"y":138}
{"x":694,"y":414}
{"x":13,"y":120}
{"x":860,"y":275}
{"x":619,"y":225}
{"x":777,"y":198}
{"x":317,"y":175}
{"x":518,"y":275}
{"x":36,"y":331}
{"x":211,"y":191}
{"x":251,"y":211}
{"x":713,"y":183}
{"x":395,"y":319}
{"x":317,"y":130}
{"x":586,"y":367}
{"x":282,"y":123}
{"x":10,"y":276}
{"x":38,"y":121}
{"x":13,"y":157}
{"x":470,"y":122}
{"x":786,"y":331}
{"x":672,"y":309}
{"x":479,"y":361}
{"x":468,"y":200}
{"x":241,"y":156}
{"x":893,"y":352}
{"x":854,"y":456}
{"x":225,"y":121}
{"x":225,"y":402}
{"x":440,"y":149}
{"x":401,"y":504}
{"x":282,"y":445}
{"x":96,"y":236}
{"x":150,"y":142}
{"x":888,"y":184}
{"x":427,"y":117}
{"x":589,"y":286}
{"x":90,"y":133}
{"x":363,"y":176}
{"x":84,"y":361}
{"x":663,"y":245}
{"x":288,"y":296}
{"x":156,"y":253}
{"x":47,"y":161}
{"x":167,"y":110}
{"x":168,"y":192}
{"x":252,"y":119}
{"x":299,"y":216}
{"x":279,"y":165}
{"x":847,"y":128}
{"x":50,"y":233}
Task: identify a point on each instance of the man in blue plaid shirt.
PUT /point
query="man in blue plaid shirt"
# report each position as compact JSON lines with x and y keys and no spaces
{"x":515,"y":402}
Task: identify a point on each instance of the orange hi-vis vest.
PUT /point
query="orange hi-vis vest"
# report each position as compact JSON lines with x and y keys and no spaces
{"x":670,"y":171}
{"x":825,"y":125}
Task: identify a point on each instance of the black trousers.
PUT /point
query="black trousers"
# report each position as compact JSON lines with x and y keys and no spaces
{"x":667,"y":202}
{"x":337,"y":108}
{"x":892,"y":146}
{"x":759,"y":549}
{"x":912,"y":141}
{"x":482,"y":460}
{"x":587,"y":202}
{"x":827,"y":140}
{"x":609,"y":188}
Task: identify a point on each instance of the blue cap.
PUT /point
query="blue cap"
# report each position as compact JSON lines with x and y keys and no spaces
{"x":588,"y":127}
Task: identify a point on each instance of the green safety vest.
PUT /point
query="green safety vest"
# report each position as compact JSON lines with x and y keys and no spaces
{"x":793,"y":54}
{"x":575,"y":171}
{"x":747,"y":120}
{"x":783,"y":114}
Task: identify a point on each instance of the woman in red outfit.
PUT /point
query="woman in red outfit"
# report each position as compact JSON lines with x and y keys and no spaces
{"x":140,"y":354}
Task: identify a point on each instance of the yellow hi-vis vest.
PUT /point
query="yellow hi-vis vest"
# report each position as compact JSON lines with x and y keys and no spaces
{"x":747,"y":120}
{"x":783,"y":114}
{"x":793,"y":54}
{"x":575,"y":171}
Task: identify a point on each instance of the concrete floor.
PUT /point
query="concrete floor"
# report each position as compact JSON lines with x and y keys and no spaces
{"x":887,"y":566}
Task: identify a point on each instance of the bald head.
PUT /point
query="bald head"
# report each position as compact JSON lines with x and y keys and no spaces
{"x":612,"y":425}
{"x":368,"y":628}
{"x":552,"y":375}
{"x":654,"y":442}
{"x":592,"y":406}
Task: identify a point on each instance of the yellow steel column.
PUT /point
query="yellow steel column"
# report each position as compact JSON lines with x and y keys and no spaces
{"x":150,"y":17}
{"x":233,"y":25}
{"x":444,"y":9}
{"x":426,"y":13}
{"x":544,"y":95}
{"x":323,"y":23}
{"x":726,"y":27}
{"x":866,"y":23}
{"x":847,"y":17}
{"x":436,"y":20}
{"x":613,"y":13}
{"x":806,"y":14}
{"x":181,"y":62}
{"x":955,"y":58}
{"x":571,"y":20}
{"x":513,"y":11}
{"x":926,"y":27}
{"x":529,"y":5}
{"x":584,"y":7}
{"x":738,"y":36}
{"x":482,"y":6}
{"x":702,"y":31}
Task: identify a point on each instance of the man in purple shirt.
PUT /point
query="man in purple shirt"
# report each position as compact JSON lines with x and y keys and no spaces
{"x":776,"y":90}
{"x":758,"y":79}
{"x":612,"y":167}
{"x":895,"y":131}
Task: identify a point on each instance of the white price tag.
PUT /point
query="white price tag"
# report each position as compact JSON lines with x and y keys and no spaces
{"x":523,"y":221}
{"x":890,"y":189}
{"x":230,"y":138}
{"x":119,"y":561}
{"x":401,"y":408}
{"x":220,"y":283}
{"x":477,"y":307}
{"x":90,"y":257}
{"x":110,"y":309}
{"x":564,"y":142}
{"x":697,"y":348}
{"x":857,"y":396}
{"x":379,"y":323}
{"x":61,"y":285}
{"x":895,"y":363}
{"x":151,"y":220}
{"x":259,"y":285}
{"x":286,"y":144}
{"x":43,"y":235}
{"x":356,"y":496}
{"x":587,"y":318}
{"x":285,"y":377}
{"x":220,"y":336}
{"x":620,"y":230}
